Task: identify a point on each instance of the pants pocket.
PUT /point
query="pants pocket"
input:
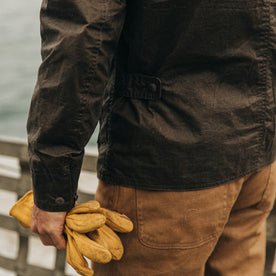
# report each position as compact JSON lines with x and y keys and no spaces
{"x":180,"y":220}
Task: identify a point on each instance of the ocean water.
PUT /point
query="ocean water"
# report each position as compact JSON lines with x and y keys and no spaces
{"x":19,"y":62}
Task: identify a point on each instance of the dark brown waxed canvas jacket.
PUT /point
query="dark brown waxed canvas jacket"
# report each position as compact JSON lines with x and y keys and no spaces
{"x":184,"y":90}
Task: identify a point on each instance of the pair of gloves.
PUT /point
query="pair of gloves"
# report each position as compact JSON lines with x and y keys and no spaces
{"x":89,"y":230}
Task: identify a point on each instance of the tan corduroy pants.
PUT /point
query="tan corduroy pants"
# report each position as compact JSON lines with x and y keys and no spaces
{"x":218,"y":231}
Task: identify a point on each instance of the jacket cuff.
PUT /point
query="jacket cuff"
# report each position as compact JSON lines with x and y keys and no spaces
{"x":54,"y":203}
{"x":58,"y":198}
{"x":55,"y":181}
{"x":54,"y":187}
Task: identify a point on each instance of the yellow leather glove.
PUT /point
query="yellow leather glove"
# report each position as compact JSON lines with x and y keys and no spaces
{"x":88,"y":230}
{"x":77,"y":218}
{"x":23,"y":208}
{"x":118,"y":222}
{"x":75,"y":258}
{"x":84,"y":223}
{"x":108,"y":239}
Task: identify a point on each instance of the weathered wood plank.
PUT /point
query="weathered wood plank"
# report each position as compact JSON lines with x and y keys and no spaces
{"x":21,"y":261}
{"x":269,"y":274}
{"x":11,"y":224}
{"x":7,"y":263}
{"x":60,"y":263}
{"x":13,"y":147}
{"x":83,"y":197}
{"x":32,"y":270}
{"x":270,"y":253}
{"x":8,"y":223}
{"x":271,"y":228}
{"x":89,"y":163}
{"x":8,"y":183}
{"x":29,"y":270}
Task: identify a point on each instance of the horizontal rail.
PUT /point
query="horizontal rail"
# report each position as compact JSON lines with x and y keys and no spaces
{"x":271,"y":228}
{"x":28,"y":270}
{"x":13,"y":147}
{"x":9,"y":184}
{"x":17,"y":148}
{"x":7,"y":263}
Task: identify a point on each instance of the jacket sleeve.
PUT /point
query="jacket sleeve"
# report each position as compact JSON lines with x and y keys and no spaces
{"x":79,"y":40}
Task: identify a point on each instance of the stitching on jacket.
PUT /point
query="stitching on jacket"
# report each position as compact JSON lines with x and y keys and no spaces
{"x":263,"y":70}
{"x":107,"y":157}
{"x":87,"y":81}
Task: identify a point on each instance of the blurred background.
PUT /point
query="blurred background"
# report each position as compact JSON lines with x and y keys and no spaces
{"x":19,"y":62}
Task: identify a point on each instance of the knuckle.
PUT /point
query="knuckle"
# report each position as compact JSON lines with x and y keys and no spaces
{"x":42,"y":231}
{"x":34,"y":228}
{"x":44,"y":242}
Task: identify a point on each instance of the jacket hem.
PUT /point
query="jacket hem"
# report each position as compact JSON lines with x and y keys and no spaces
{"x":146,"y":183}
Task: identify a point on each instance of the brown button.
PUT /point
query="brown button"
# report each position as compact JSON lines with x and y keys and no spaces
{"x":60,"y":200}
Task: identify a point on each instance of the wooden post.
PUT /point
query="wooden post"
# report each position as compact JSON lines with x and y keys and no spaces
{"x":24,"y":185}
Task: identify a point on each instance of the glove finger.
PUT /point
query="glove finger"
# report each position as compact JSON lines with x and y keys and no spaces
{"x":87,"y":207}
{"x":22,"y":209}
{"x":116,"y":221}
{"x":75,"y":258}
{"x":110,"y":240}
{"x":84,"y":223}
{"x":90,"y":249}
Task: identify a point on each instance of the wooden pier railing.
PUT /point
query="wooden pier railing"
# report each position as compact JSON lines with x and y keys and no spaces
{"x":19,"y":265}
{"x":19,"y":186}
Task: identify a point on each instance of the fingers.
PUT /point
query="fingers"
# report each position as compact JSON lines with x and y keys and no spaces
{"x":46,"y":240}
{"x":51,"y":238}
{"x":49,"y":226}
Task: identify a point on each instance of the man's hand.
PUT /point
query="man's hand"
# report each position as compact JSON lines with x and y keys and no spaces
{"x":49,"y":226}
